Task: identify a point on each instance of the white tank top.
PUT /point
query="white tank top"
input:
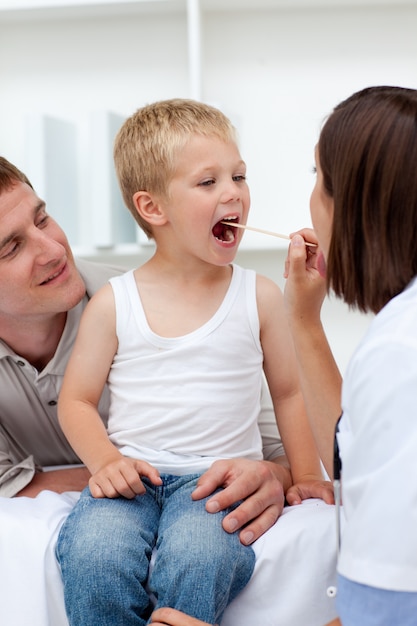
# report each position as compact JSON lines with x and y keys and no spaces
{"x":180,"y":403}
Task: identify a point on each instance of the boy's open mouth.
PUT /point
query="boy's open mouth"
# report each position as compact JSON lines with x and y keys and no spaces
{"x":224,"y":232}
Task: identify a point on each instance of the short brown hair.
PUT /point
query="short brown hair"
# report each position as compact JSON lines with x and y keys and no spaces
{"x":368,"y":155}
{"x":10,"y":175}
{"x":147,"y":144}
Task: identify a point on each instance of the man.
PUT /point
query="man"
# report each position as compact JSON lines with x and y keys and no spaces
{"x":42,"y":294}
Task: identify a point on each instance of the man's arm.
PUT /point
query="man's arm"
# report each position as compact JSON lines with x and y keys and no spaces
{"x":70,"y":479}
{"x":23,"y":478}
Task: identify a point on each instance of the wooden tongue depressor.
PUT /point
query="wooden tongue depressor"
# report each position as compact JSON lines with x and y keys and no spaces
{"x":260,"y":230}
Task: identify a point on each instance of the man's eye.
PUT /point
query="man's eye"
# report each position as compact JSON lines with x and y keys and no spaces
{"x":10,"y":250}
{"x":42,"y":221}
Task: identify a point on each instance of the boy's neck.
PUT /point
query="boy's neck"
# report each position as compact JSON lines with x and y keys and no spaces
{"x":192,"y":297}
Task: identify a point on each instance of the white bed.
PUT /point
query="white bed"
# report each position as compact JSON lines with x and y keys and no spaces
{"x":292,"y":584}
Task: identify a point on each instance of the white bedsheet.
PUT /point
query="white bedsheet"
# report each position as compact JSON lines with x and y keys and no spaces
{"x":296,"y":563}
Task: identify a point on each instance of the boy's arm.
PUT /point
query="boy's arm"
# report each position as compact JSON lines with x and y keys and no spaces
{"x":84,"y":380}
{"x":281,"y":371}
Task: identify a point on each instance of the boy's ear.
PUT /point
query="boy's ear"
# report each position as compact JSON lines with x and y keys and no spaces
{"x":149,"y":208}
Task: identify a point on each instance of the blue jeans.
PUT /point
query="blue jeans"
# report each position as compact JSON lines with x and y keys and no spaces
{"x":360,"y":605}
{"x":105,"y":545}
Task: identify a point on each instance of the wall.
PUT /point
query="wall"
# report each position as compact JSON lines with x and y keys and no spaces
{"x":277,"y":68}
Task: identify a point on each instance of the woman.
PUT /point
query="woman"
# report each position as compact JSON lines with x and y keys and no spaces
{"x":364,"y":213}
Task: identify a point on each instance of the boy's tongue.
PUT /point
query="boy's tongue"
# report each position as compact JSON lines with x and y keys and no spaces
{"x":223,"y":232}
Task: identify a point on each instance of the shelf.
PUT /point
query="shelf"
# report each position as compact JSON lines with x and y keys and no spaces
{"x":19,"y":10}
{"x":49,"y":9}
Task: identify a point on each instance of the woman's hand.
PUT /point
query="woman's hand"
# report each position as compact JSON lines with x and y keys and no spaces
{"x":305,"y":270}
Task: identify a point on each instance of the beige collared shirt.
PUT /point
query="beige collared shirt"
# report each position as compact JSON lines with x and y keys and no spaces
{"x":30,"y":436}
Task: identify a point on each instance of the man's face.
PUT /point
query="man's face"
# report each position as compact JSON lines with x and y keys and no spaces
{"x":38,"y":277}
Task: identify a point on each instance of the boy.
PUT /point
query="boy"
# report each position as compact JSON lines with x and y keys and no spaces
{"x":181,"y":341}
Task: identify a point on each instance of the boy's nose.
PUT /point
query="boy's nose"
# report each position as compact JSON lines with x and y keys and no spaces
{"x":232,"y":192}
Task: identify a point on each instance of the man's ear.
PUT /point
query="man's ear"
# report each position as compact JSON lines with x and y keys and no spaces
{"x":149,"y":208}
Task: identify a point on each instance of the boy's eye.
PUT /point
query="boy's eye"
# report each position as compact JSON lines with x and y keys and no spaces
{"x":239,"y":178}
{"x":207,"y":183}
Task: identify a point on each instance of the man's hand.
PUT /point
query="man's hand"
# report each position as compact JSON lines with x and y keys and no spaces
{"x":71,"y":479}
{"x":172,"y":617}
{"x":260,"y":484}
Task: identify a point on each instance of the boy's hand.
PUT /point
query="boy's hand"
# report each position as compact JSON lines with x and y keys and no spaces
{"x":121,"y":477}
{"x":306,"y":489}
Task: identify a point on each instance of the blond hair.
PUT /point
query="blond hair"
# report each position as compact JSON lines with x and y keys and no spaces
{"x":147,"y":145}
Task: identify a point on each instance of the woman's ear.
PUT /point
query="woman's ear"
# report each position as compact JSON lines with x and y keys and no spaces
{"x":149,"y":208}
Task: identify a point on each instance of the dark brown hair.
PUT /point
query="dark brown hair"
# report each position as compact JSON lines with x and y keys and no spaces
{"x":368,"y":155}
{"x":10,"y":175}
